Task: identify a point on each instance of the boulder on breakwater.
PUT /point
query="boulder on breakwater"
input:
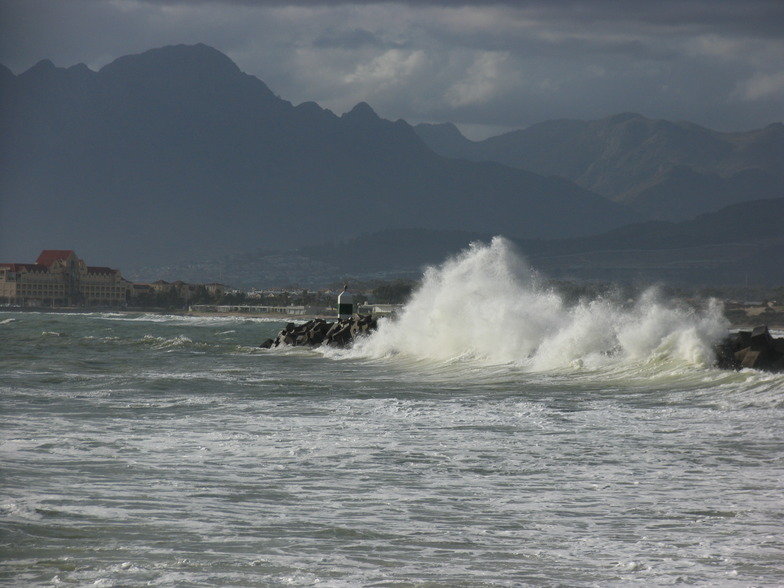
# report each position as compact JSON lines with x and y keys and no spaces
{"x":755,"y":349}
{"x":317,"y":332}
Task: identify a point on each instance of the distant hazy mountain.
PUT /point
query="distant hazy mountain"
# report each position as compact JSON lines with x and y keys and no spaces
{"x":175,"y":154}
{"x":664,"y":170}
{"x":738,"y":244}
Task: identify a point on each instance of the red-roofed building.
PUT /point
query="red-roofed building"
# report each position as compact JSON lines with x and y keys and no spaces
{"x":49,"y":256}
{"x":60,"y":278}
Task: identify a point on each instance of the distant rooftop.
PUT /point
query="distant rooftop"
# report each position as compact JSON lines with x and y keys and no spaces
{"x":49,"y":256}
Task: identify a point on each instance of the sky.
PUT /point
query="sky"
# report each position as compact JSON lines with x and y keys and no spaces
{"x":487,"y":66}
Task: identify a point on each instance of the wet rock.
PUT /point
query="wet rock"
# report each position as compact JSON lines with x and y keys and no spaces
{"x":317,"y":332}
{"x":756,"y":349}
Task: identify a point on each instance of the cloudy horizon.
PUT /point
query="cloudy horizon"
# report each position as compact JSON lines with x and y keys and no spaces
{"x":487,"y":66}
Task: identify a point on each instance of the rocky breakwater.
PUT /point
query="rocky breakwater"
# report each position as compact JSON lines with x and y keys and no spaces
{"x":756,"y":349}
{"x":321,"y":332}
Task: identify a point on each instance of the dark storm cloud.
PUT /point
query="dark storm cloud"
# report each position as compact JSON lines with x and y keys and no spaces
{"x":756,"y":16}
{"x":484,"y":65}
{"x":352,"y":39}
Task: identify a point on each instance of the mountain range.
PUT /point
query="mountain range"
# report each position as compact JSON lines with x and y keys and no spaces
{"x":175,"y":154}
{"x":740,"y":244}
{"x":663,"y":170}
{"x":173,"y":157}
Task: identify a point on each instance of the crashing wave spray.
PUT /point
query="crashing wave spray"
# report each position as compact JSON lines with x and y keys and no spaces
{"x":488,"y":304}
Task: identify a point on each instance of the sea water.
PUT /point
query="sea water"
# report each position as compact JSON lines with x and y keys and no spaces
{"x":492,"y":435}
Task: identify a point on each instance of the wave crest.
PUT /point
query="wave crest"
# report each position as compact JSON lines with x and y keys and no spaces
{"x":488,"y":304}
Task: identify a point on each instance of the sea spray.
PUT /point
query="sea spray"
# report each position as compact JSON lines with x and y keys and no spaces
{"x":656,"y":328}
{"x":487,"y":304}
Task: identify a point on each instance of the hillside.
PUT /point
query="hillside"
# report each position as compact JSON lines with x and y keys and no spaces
{"x":175,"y":155}
{"x":739,"y":244}
{"x":663,"y":170}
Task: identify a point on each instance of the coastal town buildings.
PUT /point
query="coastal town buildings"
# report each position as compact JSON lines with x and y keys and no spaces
{"x":188,"y":291}
{"x":59,"y":278}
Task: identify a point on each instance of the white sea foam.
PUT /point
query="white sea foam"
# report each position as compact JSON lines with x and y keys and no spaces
{"x":189,"y":320}
{"x":168,"y":342}
{"x":487,"y":304}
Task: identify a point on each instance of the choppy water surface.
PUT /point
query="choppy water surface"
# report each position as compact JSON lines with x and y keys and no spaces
{"x":162,"y":450}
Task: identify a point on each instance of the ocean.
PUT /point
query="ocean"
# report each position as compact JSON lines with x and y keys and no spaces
{"x":493,"y":434}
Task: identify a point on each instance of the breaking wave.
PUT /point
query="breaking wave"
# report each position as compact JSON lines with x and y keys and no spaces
{"x":488,"y":305}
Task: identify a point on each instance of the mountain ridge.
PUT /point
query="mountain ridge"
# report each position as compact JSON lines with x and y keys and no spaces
{"x":662,"y":169}
{"x":737,"y":244}
{"x":749,"y":228}
{"x":176,"y":154}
